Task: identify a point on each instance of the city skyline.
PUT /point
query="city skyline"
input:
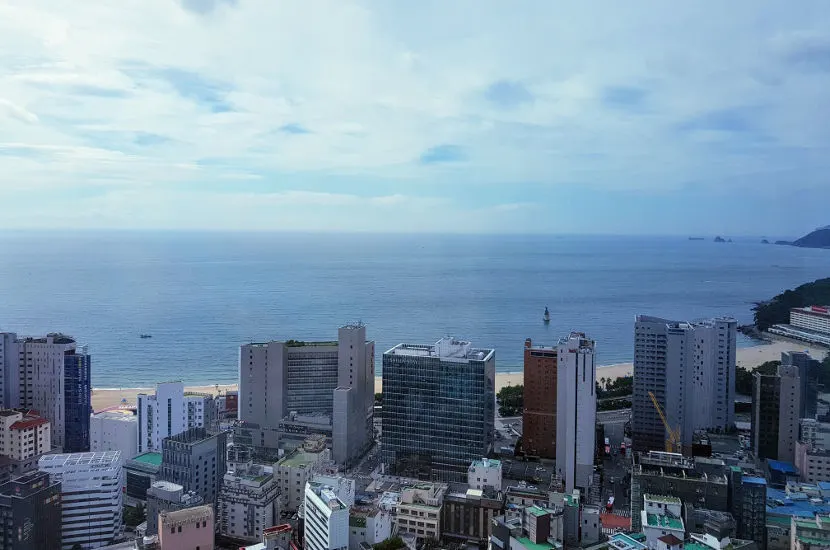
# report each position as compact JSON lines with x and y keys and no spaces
{"x":365,"y":117}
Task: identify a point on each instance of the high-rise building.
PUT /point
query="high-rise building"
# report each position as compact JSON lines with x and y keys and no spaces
{"x":776,"y":400}
{"x":77,"y":400}
{"x":539,"y":416}
{"x":30,"y":508}
{"x":170,"y":411}
{"x":196,"y":460}
{"x":49,"y":375}
{"x":438,"y":408}
{"x":24,"y":437}
{"x":807,"y":374}
{"x":683,"y":365}
{"x":91,"y":496}
{"x":576,"y":411}
{"x":335,"y":379}
{"x":326,"y":519}
{"x":114,"y":431}
{"x":188,"y":528}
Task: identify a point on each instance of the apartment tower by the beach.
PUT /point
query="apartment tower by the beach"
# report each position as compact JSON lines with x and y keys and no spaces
{"x":539,"y":416}
{"x":576,"y":411}
{"x":685,"y":365}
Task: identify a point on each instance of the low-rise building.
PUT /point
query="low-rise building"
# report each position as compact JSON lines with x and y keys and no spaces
{"x":30,"y":513}
{"x":467,"y":516}
{"x":140,"y":473}
{"x":368,"y":525}
{"x":164,"y":496}
{"x":326,"y":519}
{"x":91,"y":496}
{"x":798,"y":501}
{"x":114,"y":431}
{"x":662,"y":473}
{"x":248,"y":500}
{"x":661,"y":515}
{"x":294,"y":470}
{"x":419,"y":510}
{"x":812,"y":462}
{"x":485,"y":473}
{"x":24,"y":437}
{"x":191,"y":528}
{"x":810,"y":533}
{"x":274,"y":538}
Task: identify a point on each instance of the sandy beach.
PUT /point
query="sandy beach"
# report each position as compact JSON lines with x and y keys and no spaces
{"x":748,"y":358}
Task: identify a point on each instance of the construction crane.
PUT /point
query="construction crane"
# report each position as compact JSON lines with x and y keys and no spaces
{"x":673,"y":441}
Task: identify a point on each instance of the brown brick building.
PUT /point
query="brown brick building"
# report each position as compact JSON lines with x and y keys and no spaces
{"x":539,"y":420}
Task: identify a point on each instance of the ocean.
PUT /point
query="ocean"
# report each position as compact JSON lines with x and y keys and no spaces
{"x":201,"y":295}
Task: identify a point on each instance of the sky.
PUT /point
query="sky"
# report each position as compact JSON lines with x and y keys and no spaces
{"x":645,"y":117}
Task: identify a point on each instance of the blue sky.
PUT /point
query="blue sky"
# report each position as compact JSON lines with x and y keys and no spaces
{"x":465,"y":116}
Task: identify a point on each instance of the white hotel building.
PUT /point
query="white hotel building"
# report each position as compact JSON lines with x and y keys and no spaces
{"x":326,"y":519}
{"x":91,"y":496}
{"x":169,"y":412}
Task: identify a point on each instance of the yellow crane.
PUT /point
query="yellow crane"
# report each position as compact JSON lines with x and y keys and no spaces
{"x":673,"y":441}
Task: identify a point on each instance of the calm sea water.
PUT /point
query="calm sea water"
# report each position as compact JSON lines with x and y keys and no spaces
{"x":202,"y":295}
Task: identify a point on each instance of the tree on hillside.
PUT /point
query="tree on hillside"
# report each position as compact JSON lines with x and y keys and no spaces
{"x":777,"y":310}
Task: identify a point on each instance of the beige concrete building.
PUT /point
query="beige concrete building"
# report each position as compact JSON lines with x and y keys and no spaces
{"x":23,"y":436}
{"x":419,"y":510}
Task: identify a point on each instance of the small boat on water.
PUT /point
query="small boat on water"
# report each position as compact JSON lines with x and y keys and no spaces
{"x":144,"y":336}
{"x":546,"y":317}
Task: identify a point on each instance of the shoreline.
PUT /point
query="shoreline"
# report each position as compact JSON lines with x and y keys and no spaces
{"x":748,"y":358}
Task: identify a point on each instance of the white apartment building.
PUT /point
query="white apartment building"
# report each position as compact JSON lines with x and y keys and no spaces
{"x":370,"y":525}
{"x":248,"y":501}
{"x":23,"y":436}
{"x":169,"y":412}
{"x":114,"y":431}
{"x":91,"y":496}
{"x":326,"y":519}
{"x":419,"y":511}
{"x":816,"y":318}
{"x":485,"y":473}
{"x":683,"y":365}
{"x":815,"y":433}
{"x":576,"y":411}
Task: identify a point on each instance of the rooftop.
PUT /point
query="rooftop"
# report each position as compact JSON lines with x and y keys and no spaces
{"x":782,"y":467}
{"x":664,"y":522}
{"x":297,"y":459}
{"x":665,"y":499}
{"x":754,"y":480}
{"x":106,"y":458}
{"x":186,"y":515}
{"x":536,"y":511}
{"x":485,"y":463}
{"x":448,"y":349}
{"x":530,"y":545}
{"x":625,"y":542}
{"x":670,"y":540}
{"x":149,"y":458}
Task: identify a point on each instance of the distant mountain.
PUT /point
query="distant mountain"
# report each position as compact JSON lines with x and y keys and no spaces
{"x":820,"y":238}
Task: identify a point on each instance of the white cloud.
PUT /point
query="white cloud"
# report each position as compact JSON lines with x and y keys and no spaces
{"x":161,"y":94}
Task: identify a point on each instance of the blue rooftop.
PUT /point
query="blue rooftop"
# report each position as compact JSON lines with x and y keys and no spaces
{"x":783,"y":467}
{"x":754,"y":480}
{"x":800,"y":505}
{"x":824,"y":485}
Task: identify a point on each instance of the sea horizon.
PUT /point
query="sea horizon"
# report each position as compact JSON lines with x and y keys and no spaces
{"x":202,"y":295}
